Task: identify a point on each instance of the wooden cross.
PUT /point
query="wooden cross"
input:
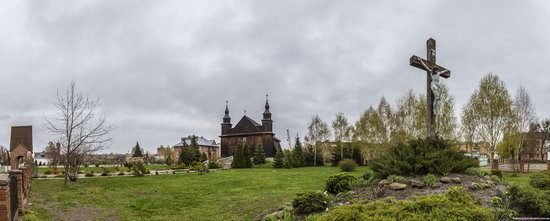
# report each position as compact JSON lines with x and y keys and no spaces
{"x":416,"y":61}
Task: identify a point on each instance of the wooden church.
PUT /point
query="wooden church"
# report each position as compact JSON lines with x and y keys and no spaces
{"x":250,"y":132}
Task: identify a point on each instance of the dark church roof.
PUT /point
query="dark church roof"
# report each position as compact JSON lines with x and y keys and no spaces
{"x":21,"y":135}
{"x":247,"y":125}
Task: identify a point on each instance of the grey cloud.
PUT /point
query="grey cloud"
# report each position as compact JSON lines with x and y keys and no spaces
{"x":164,"y":69}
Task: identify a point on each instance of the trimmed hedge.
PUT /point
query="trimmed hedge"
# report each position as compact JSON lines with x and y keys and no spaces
{"x":454,"y":205}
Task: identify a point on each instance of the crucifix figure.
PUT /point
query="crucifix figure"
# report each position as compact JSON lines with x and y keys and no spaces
{"x":434,"y":72}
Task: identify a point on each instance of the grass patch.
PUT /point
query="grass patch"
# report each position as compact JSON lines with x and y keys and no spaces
{"x":237,"y":194}
{"x":520,"y":179}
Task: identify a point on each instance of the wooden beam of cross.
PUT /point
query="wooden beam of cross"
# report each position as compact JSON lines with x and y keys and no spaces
{"x":430,"y":62}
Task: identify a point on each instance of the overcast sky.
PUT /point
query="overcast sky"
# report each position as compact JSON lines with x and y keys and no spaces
{"x":163,"y":69}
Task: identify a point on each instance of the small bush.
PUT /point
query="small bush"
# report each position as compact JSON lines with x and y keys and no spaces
{"x":214,"y":165}
{"x":121,"y":174}
{"x":48,"y":172}
{"x":430,"y":179}
{"x":534,"y":201}
{"x":104,"y":174}
{"x":138,"y":169}
{"x":339,"y":183}
{"x":97,"y":165}
{"x":89,"y":175}
{"x":497,"y":173}
{"x":347,"y":165}
{"x":495,"y":179}
{"x":541,"y":180}
{"x":397,"y":179}
{"x":473,"y":171}
{"x":310,"y":202}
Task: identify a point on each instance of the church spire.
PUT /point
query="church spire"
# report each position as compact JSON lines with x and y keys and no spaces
{"x":267,"y":113}
{"x":226,"y":111}
{"x":267,"y":123}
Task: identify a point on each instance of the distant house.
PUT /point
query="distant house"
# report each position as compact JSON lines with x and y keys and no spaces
{"x":540,"y":150}
{"x":209,"y":147}
{"x":41,"y":158}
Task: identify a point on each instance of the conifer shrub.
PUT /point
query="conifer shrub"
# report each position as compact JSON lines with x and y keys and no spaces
{"x":89,"y":175}
{"x":310,"y":202}
{"x":456,"y":204}
{"x":241,"y":159}
{"x":278,"y":160}
{"x":540,"y":180}
{"x":298,"y":157}
{"x":259,"y":155}
{"x":137,"y":168}
{"x":347,"y":165}
{"x":421,"y":156}
{"x":339,"y":183}
{"x":534,"y":201}
{"x":474,"y":171}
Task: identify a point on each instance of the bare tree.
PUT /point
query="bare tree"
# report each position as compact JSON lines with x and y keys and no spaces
{"x":318,"y":131}
{"x":523,"y":111}
{"x":341,"y":130}
{"x":80,"y":131}
{"x":4,"y":155}
{"x":53,"y":151}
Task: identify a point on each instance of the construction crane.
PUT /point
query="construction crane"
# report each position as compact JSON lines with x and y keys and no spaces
{"x":288,"y":139}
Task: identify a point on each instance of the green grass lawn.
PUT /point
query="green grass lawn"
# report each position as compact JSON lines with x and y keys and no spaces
{"x":237,"y":194}
{"x":520,"y":179}
{"x":110,"y":168}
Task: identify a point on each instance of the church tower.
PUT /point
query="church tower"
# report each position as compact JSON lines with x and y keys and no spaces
{"x":267,"y":123}
{"x":226,"y":125}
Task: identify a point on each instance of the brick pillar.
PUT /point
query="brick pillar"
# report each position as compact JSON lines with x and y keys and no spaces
{"x":5,"y":209}
{"x":27,"y":172}
{"x":20,"y":194}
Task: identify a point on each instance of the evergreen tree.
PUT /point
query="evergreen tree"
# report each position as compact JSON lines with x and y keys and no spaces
{"x":259,"y":155}
{"x":195,"y":147}
{"x":137,"y":151}
{"x":187,"y":156}
{"x":169,"y":161}
{"x":204,"y":157}
{"x":287,"y":160}
{"x":298,"y":158}
{"x":278,"y":160}
{"x":241,"y":159}
{"x":310,"y":156}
